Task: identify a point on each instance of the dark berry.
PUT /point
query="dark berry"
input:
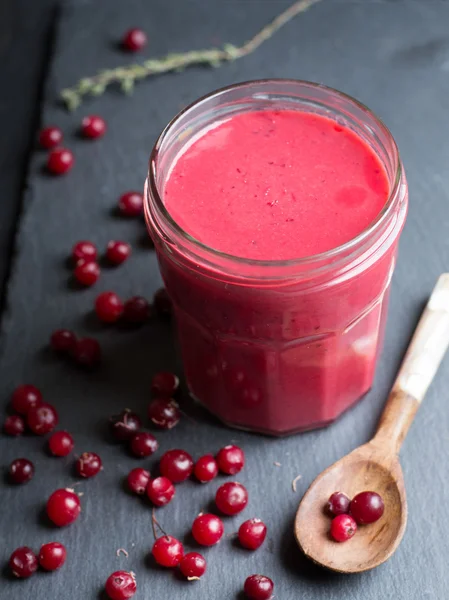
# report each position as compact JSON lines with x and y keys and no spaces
{"x":338,"y":504}
{"x":84,"y":250}
{"x":167,"y":551}
{"x":117,"y":252}
{"x":87,"y":352}
{"x":14,"y":425}
{"x":258,"y":587}
{"x":230,"y":460}
{"x":164,"y":413}
{"x":176,"y":465}
{"x":160,"y":491}
{"x":93,"y":127}
{"x":63,"y":341}
{"x":52,"y":556}
{"x":21,"y":470}
{"x":136,"y":310}
{"x":42,"y":419}
{"x":134,"y":40}
{"x":63,"y":507}
{"x":252,"y":534}
{"x":131,"y":204}
{"x":23,"y":562}
{"x":24,"y":398}
{"x":193,"y":565}
{"x":88,"y":464}
{"x":50,"y":137}
{"x":143,"y":444}
{"x":87,"y":272}
{"x":366,"y":507}
{"x":231,"y":498}
{"x":60,"y":443}
{"x":124,"y":425}
{"x":343,"y":527}
{"x":137,"y":480}
{"x":206,"y":468}
{"x":162,"y":303}
{"x":121,"y":585}
{"x":60,"y":161}
{"x":207,"y":529}
{"x":164,"y":384}
{"x":108,"y":307}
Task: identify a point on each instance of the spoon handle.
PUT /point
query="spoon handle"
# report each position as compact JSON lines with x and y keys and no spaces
{"x":421,"y":361}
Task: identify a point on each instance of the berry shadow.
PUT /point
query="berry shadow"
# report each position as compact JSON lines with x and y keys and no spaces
{"x":44,"y":521}
{"x":7,"y":574}
{"x":102,"y":595}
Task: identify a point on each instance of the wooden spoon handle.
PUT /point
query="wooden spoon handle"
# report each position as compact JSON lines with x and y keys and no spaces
{"x":421,"y":361}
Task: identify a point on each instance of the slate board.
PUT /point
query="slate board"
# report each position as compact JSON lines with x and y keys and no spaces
{"x":392,"y":55}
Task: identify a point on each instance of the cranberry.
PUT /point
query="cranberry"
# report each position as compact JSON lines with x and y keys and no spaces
{"x":230,"y":460}
{"x":84,"y":250}
{"x":60,"y":443}
{"x":138,"y":480}
{"x":93,"y":127}
{"x":88,"y":464}
{"x":14,"y":425}
{"x":206,"y":468}
{"x":136,"y":310}
{"x":176,"y":465}
{"x":338,"y":504}
{"x":131,"y":204}
{"x":164,"y":413}
{"x":252,"y":534}
{"x":160,"y":491}
{"x":121,"y":585}
{"x":143,"y":444}
{"x":167,"y":551}
{"x":108,"y":307}
{"x":134,"y":40}
{"x":24,"y":398}
{"x":207,"y":529}
{"x":63,"y":507}
{"x":343,"y":527}
{"x":258,"y":587}
{"x":124,"y":425}
{"x":366,"y":507}
{"x":87,"y":352}
{"x":23,"y":562}
{"x":52,"y":556}
{"x":21,"y":470}
{"x":60,"y":160}
{"x":87,"y":272}
{"x":42,"y":419}
{"x":231,"y":498}
{"x":62,"y":341}
{"x":193,"y":565}
{"x":162,"y":303}
{"x":117,"y":252}
{"x":50,"y":137}
{"x":164,"y":384}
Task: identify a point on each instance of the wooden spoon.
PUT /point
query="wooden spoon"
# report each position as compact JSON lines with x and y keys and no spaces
{"x":375,"y":465}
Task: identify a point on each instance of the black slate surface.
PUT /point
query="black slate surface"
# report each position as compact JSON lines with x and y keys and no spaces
{"x":394,"y":56}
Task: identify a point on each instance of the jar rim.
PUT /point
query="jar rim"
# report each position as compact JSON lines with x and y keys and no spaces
{"x":348,"y":246}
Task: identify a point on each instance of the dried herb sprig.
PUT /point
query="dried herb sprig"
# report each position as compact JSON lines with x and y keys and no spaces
{"x":126,"y":77}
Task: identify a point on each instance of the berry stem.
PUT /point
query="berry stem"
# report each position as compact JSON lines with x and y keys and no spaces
{"x":155,"y":523}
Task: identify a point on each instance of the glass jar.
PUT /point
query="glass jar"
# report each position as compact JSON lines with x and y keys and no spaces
{"x":278,"y":346}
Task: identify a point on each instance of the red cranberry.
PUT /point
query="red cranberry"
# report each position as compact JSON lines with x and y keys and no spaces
{"x":343,"y":527}
{"x":366,"y":507}
{"x":23,"y":562}
{"x":131,"y":204}
{"x":61,"y":443}
{"x":14,"y":425}
{"x":136,"y":310}
{"x":258,"y":587}
{"x":338,"y":504}
{"x":42,"y":419}
{"x":121,"y":585}
{"x":164,"y":413}
{"x":160,"y":491}
{"x":164,"y":384}
{"x":60,"y":160}
{"x":138,"y":480}
{"x":143,"y":444}
{"x":176,"y":465}
{"x":230,"y":460}
{"x":93,"y":127}
{"x":231,"y":498}
{"x":193,"y":565}
{"x":134,"y":40}
{"x":63,"y":507}
{"x":207,"y":529}
{"x":21,"y":470}
{"x":87,"y":352}
{"x":50,"y":137}
{"x":87,"y":272}
{"x":84,"y":250}
{"x":117,"y":252}
{"x":108,"y":307}
{"x":124,"y":425}
{"x":252,"y":533}
{"x":167,"y":551}
{"x":162,"y":303}
{"x":206,"y":468}
{"x":52,"y":556}
{"x":24,"y":398}
{"x":63,"y":341}
{"x":88,"y":464}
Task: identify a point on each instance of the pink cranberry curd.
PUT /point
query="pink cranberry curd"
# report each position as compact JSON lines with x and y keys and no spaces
{"x":276,"y":208}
